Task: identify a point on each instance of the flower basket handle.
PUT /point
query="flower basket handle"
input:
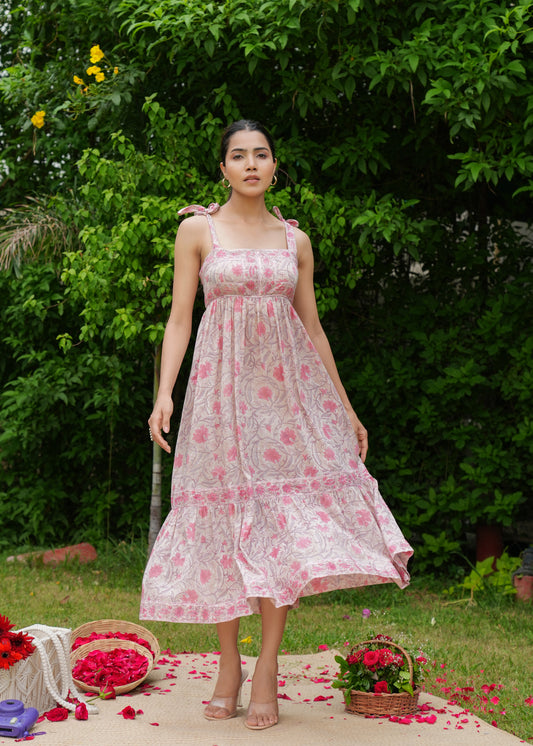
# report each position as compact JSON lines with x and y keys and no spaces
{"x":389,"y":643}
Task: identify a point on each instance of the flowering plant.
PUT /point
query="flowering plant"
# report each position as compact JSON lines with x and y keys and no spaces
{"x":14,"y":646}
{"x":379,"y":667}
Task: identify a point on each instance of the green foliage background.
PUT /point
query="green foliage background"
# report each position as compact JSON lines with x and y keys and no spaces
{"x":404,"y":135}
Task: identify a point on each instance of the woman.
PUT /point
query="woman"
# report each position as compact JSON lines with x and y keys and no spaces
{"x":270,"y":497}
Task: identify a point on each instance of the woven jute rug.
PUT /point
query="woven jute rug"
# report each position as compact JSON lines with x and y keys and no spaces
{"x":169,"y":713}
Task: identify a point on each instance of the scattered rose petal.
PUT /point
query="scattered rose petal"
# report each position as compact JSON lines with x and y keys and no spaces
{"x":128,"y":713}
{"x":323,"y":647}
{"x":56,"y":714}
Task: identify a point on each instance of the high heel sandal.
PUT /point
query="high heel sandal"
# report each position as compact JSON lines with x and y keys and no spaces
{"x":226,"y":703}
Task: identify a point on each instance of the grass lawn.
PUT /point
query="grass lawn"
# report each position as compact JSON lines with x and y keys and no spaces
{"x":479,"y":654}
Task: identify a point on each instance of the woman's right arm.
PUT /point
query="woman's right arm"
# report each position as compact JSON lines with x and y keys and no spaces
{"x":187,"y":261}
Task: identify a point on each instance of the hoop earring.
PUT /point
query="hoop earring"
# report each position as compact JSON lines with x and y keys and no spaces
{"x":226,"y":186}
{"x":274,"y":180}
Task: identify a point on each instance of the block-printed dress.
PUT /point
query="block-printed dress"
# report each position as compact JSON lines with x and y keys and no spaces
{"x":269,"y":496}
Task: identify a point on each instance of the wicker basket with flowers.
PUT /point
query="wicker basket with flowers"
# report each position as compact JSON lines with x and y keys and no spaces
{"x":379,"y":677}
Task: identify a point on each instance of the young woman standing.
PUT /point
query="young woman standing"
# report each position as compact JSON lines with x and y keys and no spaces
{"x":271,"y":500}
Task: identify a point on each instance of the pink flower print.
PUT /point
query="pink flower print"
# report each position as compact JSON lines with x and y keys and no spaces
{"x":238,"y":304}
{"x":278,"y":373}
{"x":327,"y":431}
{"x":201,"y":434}
{"x":282,"y":521}
{"x":329,"y":454}
{"x":204,"y":370}
{"x":191,"y":531}
{"x":226,"y":561}
{"x":264,"y":393}
{"x":217,"y":408}
{"x":243,"y":407}
{"x":237,"y":269}
{"x":294,"y":315}
{"x":189,"y":597}
{"x":219,"y":472}
{"x":363,"y":517}
{"x":272,"y":455}
{"x":330,"y":405}
{"x":250,"y":285}
{"x":178,"y":560}
{"x":220,"y":343}
{"x":155,"y":571}
{"x":303,"y":543}
{"x":274,"y":553}
{"x":353,"y":463}
{"x":205,"y":576}
{"x":178,"y":461}
{"x":228,"y":389}
{"x":228,"y":326}
{"x":202,"y":511}
{"x":237,"y":367}
{"x":288,"y":436}
{"x":231,"y":509}
{"x":295,"y":566}
{"x":304,"y":372}
{"x":310,"y":471}
{"x":295,"y":409}
{"x":261,"y":329}
{"x":245,"y":531}
{"x":323,"y":516}
{"x":325,"y":500}
{"x":270,"y":308}
{"x":232,"y":454}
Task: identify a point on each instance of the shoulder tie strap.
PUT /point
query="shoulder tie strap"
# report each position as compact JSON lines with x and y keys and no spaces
{"x":289,"y":229}
{"x":200,"y":209}
{"x":207,"y":211}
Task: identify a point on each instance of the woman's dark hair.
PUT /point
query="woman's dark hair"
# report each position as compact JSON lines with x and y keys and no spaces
{"x":244,"y":124}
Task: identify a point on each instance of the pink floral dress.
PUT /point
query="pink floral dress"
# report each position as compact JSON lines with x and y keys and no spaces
{"x":269,"y":496}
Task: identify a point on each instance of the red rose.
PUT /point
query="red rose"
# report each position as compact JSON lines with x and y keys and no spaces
{"x":128,"y":713}
{"x":80,"y":713}
{"x":56,"y":714}
{"x":381,"y":687}
{"x":371,"y":658}
{"x":386,"y":657}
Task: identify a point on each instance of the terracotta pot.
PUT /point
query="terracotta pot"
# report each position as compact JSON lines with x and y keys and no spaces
{"x":524,"y":586}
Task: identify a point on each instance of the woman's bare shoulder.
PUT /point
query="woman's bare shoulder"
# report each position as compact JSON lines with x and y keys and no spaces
{"x":303,"y":242}
{"x":193,"y":230}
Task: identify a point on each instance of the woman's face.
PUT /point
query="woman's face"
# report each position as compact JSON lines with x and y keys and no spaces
{"x":249,"y":166}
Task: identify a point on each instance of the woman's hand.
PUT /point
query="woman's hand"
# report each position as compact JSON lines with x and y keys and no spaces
{"x":160,"y":421}
{"x":361,"y":433}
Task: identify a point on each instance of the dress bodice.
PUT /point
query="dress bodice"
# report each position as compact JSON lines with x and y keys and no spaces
{"x":248,"y":272}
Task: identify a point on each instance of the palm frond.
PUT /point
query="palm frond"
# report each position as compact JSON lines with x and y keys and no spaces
{"x":33,"y":231}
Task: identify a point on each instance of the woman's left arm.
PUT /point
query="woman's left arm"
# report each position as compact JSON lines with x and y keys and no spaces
{"x":305,"y":306}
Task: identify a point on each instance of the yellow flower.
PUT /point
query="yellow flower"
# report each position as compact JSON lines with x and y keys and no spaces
{"x":78,"y":80}
{"x":96,"y":53}
{"x":247,"y":639}
{"x":99,"y":77}
{"x":93,"y":70}
{"x":115,"y":71}
{"x":38,"y":119}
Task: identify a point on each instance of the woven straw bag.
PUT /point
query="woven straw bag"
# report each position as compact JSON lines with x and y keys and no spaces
{"x":44,"y":679}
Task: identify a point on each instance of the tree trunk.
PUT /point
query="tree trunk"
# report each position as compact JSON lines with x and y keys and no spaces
{"x":155,"y":501}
